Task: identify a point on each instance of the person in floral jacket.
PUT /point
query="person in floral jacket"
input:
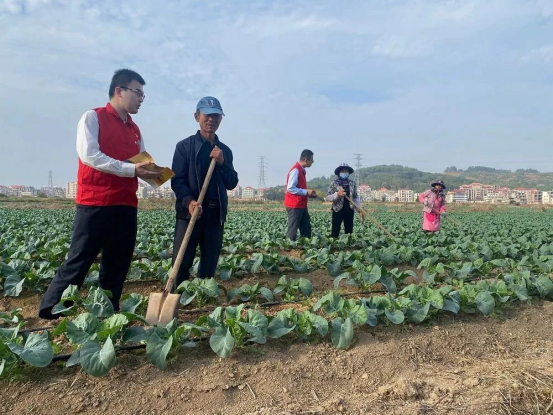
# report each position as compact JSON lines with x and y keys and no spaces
{"x":342,"y":210}
{"x":433,"y":200}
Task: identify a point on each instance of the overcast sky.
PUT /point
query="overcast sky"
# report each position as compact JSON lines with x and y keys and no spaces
{"x":426,"y":84}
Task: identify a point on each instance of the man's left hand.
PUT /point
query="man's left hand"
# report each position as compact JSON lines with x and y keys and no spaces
{"x":217,"y":154}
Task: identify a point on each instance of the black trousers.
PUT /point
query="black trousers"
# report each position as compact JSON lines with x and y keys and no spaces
{"x":107,"y":229}
{"x":298,"y":219}
{"x":344,"y":215}
{"x":208,"y":235}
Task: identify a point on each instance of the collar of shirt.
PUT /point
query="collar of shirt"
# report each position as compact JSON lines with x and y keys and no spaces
{"x":112,"y":111}
{"x":203,"y":140}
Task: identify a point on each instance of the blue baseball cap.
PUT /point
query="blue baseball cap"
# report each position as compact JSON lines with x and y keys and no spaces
{"x":209,"y":105}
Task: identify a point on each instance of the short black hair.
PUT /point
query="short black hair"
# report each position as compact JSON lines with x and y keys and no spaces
{"x":123,"y":77}
{"x":306,"y":155}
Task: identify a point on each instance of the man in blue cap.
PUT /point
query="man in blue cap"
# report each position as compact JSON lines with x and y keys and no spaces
{"x":190,"y":164}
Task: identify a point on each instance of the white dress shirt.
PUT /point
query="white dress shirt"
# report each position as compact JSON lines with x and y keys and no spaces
{"x":292,"y":185}
{"x":89,"y":152}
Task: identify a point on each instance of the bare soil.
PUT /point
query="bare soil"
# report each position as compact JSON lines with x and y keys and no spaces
{"x":454,"y":365}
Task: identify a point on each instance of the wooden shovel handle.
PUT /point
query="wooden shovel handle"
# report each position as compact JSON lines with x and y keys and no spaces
{"x":447,"y":217}
{"x":369,"y":216}
{"x":189,"y":229}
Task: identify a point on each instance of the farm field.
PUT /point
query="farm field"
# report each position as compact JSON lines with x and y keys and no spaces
{"x":457,"y":322}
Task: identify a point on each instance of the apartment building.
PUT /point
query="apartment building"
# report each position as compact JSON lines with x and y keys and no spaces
{"x":248,"y":193}
{"x":71,"y":190}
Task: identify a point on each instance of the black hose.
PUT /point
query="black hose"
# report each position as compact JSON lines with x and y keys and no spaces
{"x":36,"y":329}
{"x":65,"y":357}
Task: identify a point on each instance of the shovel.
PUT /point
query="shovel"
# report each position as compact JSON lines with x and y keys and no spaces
{"x":369,"y":216}
{"x":164,"y":307}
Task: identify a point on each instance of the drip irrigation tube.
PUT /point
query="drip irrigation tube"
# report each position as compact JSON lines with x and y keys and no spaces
{"x":65,"y":357}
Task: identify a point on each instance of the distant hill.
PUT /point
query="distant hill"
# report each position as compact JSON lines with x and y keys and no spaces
{"x":396,"y":177}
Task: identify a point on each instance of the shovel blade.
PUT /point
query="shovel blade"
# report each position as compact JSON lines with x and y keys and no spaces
{"x":155,"y":303}
{"x":169,"y":310}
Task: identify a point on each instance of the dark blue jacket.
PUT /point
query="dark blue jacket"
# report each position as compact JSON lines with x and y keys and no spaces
{"x":186,"y":183}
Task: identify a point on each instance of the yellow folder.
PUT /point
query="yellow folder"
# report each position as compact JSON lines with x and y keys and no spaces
{"x":165,"y":173}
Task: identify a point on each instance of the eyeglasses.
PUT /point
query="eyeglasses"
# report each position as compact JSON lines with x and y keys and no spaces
{"x":138,"y":92}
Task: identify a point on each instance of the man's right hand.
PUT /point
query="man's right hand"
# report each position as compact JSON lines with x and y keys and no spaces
{"x":192,"y":207}
{"x":341,"y":192}
{"x":311,"y":193}
{"x":143,"y":173}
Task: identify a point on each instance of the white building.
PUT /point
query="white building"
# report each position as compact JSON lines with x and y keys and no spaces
{"x":498,"y":195}
{"x":28,"y":191}
{"x":380,"y":195}
{"x":53,"y":191}
{"x":235,"y":193}
{"x":71,"y":190}
{"x":17,"y":189}
{"x":364,"y":192}
{"x":547,"y":197}
{"x":8,"y":191}
{"x":377,"y":194}
{"x":248,"y":193}
{"x":460,"y":196}
{"x":142,"y":191}
{"x":260,"y":194}
{"x":524,"y":195}
{"x":405,"y":195}
{"x":391,"y":196}
{"x":168,"y":192}
{"x":477,"y":191}
{"x":162,"y":192}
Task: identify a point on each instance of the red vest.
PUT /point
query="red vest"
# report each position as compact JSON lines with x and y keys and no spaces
{"x":296,"y":201}
{"x":118,"y":140}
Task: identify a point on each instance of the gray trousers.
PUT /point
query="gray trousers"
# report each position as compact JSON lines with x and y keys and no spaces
{"x":298,"y":219}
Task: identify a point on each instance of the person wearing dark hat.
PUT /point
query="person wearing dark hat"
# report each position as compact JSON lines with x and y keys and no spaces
{"x":342,"y":210}
{"x":190,"y":163}
{"x":433,"y":201}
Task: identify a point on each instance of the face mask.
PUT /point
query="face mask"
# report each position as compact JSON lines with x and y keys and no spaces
{"x":344,"y":175}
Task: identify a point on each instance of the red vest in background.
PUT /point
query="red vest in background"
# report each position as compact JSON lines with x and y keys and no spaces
{"x":296,"y":201}
{"x":120,"y":141}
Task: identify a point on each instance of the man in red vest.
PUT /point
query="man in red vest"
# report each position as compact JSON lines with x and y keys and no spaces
{"x":295,"y":199}
{"x":106,"y":212}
